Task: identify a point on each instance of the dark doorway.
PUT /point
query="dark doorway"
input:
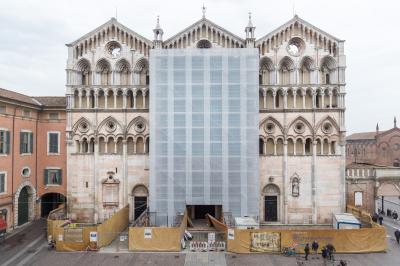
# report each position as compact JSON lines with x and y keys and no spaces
{"x":271,"y":208}
{"x":140,"y":206}
{"x":51,"y":201}
{"x":23,"y":206}
{"x":200,"y":211}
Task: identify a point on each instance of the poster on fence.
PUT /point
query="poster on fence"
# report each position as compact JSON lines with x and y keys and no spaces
{"x":265,"y":242}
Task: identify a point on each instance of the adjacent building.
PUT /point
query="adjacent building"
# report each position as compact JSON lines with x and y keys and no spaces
{"x":373,"y":168}
{"x":32,"y":156}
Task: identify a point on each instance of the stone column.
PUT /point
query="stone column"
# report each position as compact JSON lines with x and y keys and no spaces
{"x":87,"y":98}
{"x":285,"y":99}
{"x":313,"y":184}
{"x":96,"y":99}
{"x":124,"y":95}
{"x":304,"y":99}
{"x":105,"y":99}
{"x":285,"y":178}
{"x":330,"y":99}
{"x":95,"y":181}
{"x":80,"y":98}
{"x":274,"y":99}
{"x":125,"y":172}
{"x":322,"y":100}
{"x":294,"y":99}
{"x":115,"y":99}
{"x":144,"y":93}
{"x":134,"y":99}
{"x":265,"y":99}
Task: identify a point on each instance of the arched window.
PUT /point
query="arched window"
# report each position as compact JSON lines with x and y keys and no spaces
{"x":139,"y":145}
{"x":261,"y":146}
{"x":130,"y":146}
{"x":279,"y":147}
{"x":319,"y":147}
{"x":333,"y":147}
{"x":286,"y":68}
{"x":102,"y":145}
{"x":308,"y":147}
{"x":270,"y":147}
{"x":123,"y":69}
{"x":266,"y":71}
{"x":84,"y":71}
{"x":85,"y":146}
{"x":110,"y":146}
{"x":142,"y":71}
{"x":290,"y":147}
{"x":103,"y":69}
{"x":147,"y":145}
{"x":299,"y":147}
{"x":204,"y":44}
{"x":325,"y":147}
{"x":306,"y":69}
{"x":327,"y":70}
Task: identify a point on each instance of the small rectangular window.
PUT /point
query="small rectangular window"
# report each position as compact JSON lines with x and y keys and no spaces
{"x":53,"y":142}
{"x":26,"y":142}
{"x":4,"y":142}
{"x":52,"y":177}
{"x":358,"y":198}
{"x":3,"y":109}
{"x":2,"y":183}
{"x":26,"y":113}
{"x":53,"y":116}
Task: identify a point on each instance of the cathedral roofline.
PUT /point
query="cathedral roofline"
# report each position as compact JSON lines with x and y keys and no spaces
{"x":112,"y":21}
{"x":204,"y":20}
{"x":296,"y":18}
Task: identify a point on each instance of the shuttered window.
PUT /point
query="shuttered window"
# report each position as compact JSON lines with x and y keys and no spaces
{"x":52,"y":177}
{"x":53,"y":143}
{"x":4,"y":142}
{"x":26,"y":142}
{"x":2,"y":182}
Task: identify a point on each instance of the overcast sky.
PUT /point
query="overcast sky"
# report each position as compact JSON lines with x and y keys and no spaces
{"x":34,"y":33}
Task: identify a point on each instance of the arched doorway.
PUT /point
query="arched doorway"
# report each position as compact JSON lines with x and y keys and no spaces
{"x":23,"y":206}
{"x":49,"y":202}
{"x":271,"y":195}
{"x":139,"y":204}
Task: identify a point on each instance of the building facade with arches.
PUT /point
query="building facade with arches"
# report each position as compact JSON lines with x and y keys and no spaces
{"x":301,"y":117}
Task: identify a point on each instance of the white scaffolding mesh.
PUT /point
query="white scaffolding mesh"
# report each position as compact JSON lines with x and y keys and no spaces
{"x":204,"y":130}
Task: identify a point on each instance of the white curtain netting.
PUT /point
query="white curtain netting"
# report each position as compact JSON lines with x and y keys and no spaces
{"x":204,"y":130}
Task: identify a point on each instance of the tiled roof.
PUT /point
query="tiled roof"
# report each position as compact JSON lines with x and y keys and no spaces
{"x":55,"y":101}
{"x":17,"y":96}
{"x":362,"y":135}
{"x":48,"y":101}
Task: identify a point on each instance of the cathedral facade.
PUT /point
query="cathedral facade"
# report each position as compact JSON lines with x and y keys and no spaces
{"x":301,"y":122}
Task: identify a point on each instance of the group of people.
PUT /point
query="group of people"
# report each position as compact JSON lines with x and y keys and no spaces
{"x":326,"y":251}
{"x":377,"y":218}
{"x":392,"y":213}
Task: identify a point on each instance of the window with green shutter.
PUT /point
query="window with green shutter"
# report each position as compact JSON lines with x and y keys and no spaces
{"x":2,"y":183}
{"x":53,"y":143}
{"x":4,"y":142}
{"x":52,"y":177}
{"x":26,"y":142}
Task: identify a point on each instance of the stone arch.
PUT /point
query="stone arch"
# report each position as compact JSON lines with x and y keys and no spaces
{"x":271,"y":194}
{"x":141,"y":71}
{"x":305,"y":121}
{"x":31,"y":203}
{"x":329,"y":119}
{"x":273,"y":120}
{"x":79,"y":122}
{"x":108,"y":119}
{"x":140,"y":196}
{"x":135,"y":121}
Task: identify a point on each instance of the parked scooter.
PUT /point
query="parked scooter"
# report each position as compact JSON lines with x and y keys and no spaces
{"x":51,"y":244}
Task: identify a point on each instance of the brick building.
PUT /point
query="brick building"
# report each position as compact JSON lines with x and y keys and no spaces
{"x":32,"y":156}
{"x":372,"y":171}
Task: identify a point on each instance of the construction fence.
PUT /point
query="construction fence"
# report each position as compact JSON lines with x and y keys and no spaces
{"x":81,"y":236}
{"x":157,"y":238}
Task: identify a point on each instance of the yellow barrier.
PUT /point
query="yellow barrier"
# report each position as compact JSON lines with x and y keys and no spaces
{"x":345,"y":241}
{"x":157,"y":238}
{"x":111,"y":228}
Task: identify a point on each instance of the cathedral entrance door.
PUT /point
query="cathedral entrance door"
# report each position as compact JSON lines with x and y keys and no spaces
{"x":140,"y":206}
{"x":271,"y":208}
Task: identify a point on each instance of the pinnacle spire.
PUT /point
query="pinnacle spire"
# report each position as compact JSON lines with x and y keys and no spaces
{"x":250,"y":24}
{"x":158,"y":23}
{"x":395,"y":122}
{"x":203,"y":9}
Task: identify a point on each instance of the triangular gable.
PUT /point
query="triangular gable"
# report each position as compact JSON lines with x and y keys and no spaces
{"x":305,"y":24}
{"x":110,"y":23}
{"x":387,"y":132}
{"x":200,"y":23}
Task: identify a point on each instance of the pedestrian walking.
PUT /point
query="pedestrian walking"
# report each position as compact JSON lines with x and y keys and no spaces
{"x":380,"y":219}
{"x":314,"y":247}
{"x":324,"y":254}
{"x":331,"y":249}
{"x":397,"y":235}
{"x":307,"y":251}
{"x":395,"y":215}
